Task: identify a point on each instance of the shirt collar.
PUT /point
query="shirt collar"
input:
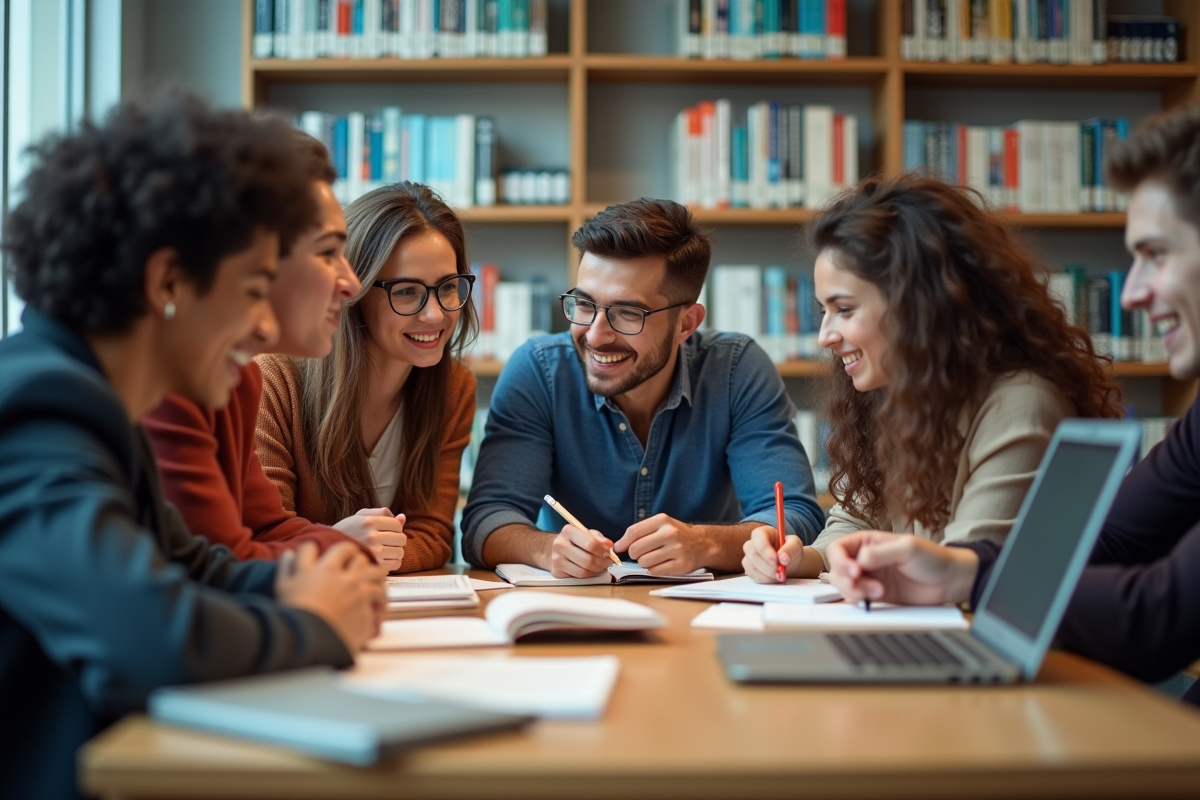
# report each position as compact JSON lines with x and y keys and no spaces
{"x":35,"y":323}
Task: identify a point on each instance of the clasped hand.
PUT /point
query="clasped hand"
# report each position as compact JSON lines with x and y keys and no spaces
{"x":380,"y":532}
{"x":341,"y":587}
{"x":661,"y":544}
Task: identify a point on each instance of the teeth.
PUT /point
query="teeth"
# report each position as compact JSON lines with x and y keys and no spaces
{"x":424,"y":337}
{"x":850,"y":359}
{"x":1167,"y":324}
{"x":240,"y":357}
{"x":613,"y":359}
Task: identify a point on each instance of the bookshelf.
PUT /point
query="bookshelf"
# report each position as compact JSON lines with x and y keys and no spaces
{"x":609,"y":82}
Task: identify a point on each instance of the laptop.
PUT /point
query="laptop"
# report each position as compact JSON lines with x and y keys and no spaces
{"x":1022,"y":604}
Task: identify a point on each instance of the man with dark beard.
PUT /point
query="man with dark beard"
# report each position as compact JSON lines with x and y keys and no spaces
{"x":666,"y":440}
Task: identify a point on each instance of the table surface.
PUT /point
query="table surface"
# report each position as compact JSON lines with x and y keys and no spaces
{"x":676,"y":727}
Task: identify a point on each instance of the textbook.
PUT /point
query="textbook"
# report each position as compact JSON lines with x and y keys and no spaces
{"x":309,"y":710}
{"x":744,"y":590}
{"x":628,"y":572}
{"x":576,"y":687}
{"x":516,"y":614}
{"x":424,"y":594}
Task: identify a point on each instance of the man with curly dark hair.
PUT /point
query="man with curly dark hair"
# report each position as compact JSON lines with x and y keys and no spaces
{"x":144,"y":248}
{"x":1137,"y":606}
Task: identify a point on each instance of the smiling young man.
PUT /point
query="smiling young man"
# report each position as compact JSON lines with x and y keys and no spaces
{"x":1137,"y":606}
{"x":666,"y":440}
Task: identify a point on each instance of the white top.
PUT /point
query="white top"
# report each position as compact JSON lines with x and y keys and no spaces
{"x":385,"y":464}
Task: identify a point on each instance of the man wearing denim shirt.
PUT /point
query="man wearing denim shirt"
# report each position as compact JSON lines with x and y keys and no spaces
{"x":665,"y":440}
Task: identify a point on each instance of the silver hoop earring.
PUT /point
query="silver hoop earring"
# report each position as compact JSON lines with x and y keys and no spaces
{"x":169,"y":312}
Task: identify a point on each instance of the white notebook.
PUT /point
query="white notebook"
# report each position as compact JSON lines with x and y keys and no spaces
{"x":562,"y":688}
{"x":516,"y":614}
{"x":628,"y":572}
{"x":731,"y":617}
{"x":844,"y":616}
{"x":425,"y":594}
{"x":744,"y":590}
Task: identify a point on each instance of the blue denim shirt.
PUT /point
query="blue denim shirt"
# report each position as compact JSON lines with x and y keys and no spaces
{"x":715,"y":448}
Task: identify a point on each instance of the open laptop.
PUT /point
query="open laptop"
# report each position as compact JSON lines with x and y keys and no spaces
{"x":1022,"y":604}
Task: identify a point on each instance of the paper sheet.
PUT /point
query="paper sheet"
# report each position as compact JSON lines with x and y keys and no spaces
{"x":430,"y":632}
{"x":730,"y":617}
{"x":743,"y":589}
{"x":484,"y":586}
{"x":563,"y":688}
{"x":428,"y":587}
{"x":846,"y":616}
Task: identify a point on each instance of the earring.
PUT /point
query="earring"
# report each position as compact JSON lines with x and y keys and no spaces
{"x":169,"y":312}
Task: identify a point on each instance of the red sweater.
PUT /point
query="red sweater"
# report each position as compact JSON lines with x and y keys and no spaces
{"x":211,"y":472}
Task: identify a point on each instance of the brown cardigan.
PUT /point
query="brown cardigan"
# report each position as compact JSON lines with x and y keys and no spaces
{"x":285,"y":458}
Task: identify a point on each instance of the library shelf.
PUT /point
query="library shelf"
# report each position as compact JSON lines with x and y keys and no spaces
{"x":1096,"y":219}
{"x":800,"y":216}
{"x":1108,"y":77}
{"x":552,"y":68}
{"x":504,"y":213}
{"x":485,"y":368}
{"x":606,"y":68}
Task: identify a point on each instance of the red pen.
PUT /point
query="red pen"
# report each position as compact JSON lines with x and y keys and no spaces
{"x":779,"y":528}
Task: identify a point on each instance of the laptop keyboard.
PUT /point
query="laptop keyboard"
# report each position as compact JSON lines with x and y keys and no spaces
{"x":894,"y":649}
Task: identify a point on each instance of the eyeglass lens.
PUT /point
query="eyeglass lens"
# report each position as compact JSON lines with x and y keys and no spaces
{"x":409,"y":298}
{"x":623,"y":319}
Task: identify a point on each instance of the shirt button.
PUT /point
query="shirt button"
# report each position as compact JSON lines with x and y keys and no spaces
{"x":641,"y":513}
{"x":621,"y":426}
{"x":645,"y":471}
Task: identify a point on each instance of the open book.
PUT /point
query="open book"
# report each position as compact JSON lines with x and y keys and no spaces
{"x":424,"y":594}
{"x":745,"y":590}
{"x":513,"y":615}
{"x":628,"y":572}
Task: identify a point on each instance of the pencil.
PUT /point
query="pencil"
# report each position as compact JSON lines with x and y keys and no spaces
{"x":569,"y":517}
{"x":780,"y":522}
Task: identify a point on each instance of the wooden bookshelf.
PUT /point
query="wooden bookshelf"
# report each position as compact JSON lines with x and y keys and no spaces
{"x":585,"y":76}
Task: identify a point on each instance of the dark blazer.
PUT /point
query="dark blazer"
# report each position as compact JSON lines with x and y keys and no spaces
{"x":104,"y":594}
{"x":1137,"y":606}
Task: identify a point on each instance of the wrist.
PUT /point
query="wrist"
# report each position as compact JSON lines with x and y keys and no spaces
{"x":964,"y":565}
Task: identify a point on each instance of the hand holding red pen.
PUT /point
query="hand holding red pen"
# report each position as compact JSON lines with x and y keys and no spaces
{"x":780,"y":530}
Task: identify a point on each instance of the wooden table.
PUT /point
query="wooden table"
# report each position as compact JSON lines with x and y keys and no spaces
{"x":675,"y":727}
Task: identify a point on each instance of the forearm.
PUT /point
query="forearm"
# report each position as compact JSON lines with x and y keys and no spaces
{"x":723,"y":545}
{"x":518,"y":544}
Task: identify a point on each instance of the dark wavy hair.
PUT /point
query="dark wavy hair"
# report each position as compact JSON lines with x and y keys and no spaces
{"x":966,"y":303}
{"x":167,"y":173}
{"x":335,"y":387}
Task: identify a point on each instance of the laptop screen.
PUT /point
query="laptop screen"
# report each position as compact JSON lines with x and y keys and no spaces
{"x":1056,"y":518}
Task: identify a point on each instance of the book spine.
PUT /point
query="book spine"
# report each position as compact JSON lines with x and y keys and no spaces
{"x":835,"y":25}
{"x":539,"y":37}
{"x":485,"y":161}
{"x":264,"y":28}
{"x":795,"y":155}
{"x":722,"y":125}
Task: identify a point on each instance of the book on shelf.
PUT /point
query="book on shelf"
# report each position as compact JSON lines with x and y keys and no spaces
{"x":510,"y":312}
{"x":540,"y":186}
{"x":627,"y":572}
{"x":1030,"y":166}
{"x":1093,"y":302}
{"x":761,"y":29}
{"x":513,"y":615}
{"x":310,"y":29}
{"x":775,"y":309}
{"x":1033,"y":31}
{"x":784,"y":156}
{"x":384,"y":146}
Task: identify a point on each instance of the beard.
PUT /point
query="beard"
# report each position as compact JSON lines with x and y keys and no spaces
{"x":646,"y":366}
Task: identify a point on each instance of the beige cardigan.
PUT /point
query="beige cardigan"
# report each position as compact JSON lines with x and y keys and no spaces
{"x":1005,"y":441}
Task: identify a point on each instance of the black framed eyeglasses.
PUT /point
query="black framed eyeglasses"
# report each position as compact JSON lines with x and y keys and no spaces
{"x":408,"y":296}
{"x":628,"y":320}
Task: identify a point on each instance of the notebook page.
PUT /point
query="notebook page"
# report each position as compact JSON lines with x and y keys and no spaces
{"x":429,"y":587}
{"x":519,"y":613}
{"x":526,"y":575}
{"x":744,"y":590}
{"x":730,"y":617}
{"x":431,"y":632}
{"x":561,"y":688}
{"x":843,"y":616}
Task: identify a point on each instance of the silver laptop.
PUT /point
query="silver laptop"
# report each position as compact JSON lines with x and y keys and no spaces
{"x":1022,"y":604}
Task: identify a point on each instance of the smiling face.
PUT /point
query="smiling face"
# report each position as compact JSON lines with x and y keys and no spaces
{"x":314,"y":281}
{"x":420,"y":339}
{"x":213,"y":335}
{"x":616,"y":363}
{"x":851,"y":326}
{"x":1165,"y":277}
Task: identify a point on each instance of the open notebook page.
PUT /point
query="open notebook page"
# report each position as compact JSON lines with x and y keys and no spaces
{"x":844,"y":616}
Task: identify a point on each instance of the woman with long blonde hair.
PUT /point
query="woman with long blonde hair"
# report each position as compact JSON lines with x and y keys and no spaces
{"x":377,"y":428}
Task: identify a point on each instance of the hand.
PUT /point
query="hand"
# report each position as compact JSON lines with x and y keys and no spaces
{"x":380,"y":532}
{"x":665,"y":546}
{"x":341,"y":587}
{"x":576,"y":553}
{"x":900,"y":568}
{"x":760,"y":563}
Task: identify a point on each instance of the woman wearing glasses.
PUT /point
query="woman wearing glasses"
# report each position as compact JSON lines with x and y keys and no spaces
{"x":380,"y":424}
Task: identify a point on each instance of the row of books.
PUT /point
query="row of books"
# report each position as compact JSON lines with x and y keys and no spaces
{"x":1031,"y":166}
{"x":776,"y":309}
{"x":785,"y":155}
{"x":536,"y":186}
{"x":751,"y":29}
{"x":1093,"y":301}
{"x":1032,"y":31}
{"x":454,"y":156}
{"x":306,"y":29}
{"x":509,"y":312}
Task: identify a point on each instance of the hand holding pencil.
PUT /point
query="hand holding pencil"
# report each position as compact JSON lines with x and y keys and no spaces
{"x":577,"y":551}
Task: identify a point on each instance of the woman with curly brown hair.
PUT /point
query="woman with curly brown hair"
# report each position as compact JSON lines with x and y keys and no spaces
{"x":952,"y":367}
